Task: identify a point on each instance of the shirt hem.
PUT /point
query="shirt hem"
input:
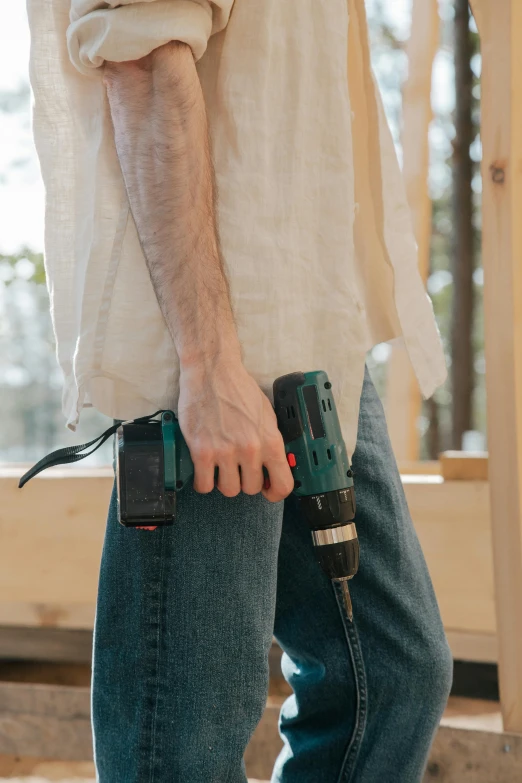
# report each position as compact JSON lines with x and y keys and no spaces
{"x":119,"y":400}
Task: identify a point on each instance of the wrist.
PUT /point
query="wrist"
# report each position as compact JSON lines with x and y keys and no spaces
{"x":207,"y":357}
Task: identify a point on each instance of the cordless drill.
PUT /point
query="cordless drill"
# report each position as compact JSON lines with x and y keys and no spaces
{"x":323,"y":481}
{"x":153,"y":463}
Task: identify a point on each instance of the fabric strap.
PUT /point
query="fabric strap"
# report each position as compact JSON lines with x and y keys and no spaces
{"x":75,"y":453}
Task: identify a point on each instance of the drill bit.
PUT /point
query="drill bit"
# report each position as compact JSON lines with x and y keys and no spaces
{"x":347,"y":598}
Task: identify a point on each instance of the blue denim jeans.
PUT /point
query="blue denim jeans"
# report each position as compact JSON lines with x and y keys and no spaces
{"x":184,"y":624}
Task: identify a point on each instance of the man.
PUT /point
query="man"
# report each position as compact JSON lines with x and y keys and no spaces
{"x":188,"y":274}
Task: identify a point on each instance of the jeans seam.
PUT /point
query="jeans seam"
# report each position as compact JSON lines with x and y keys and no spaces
{"x":354,"y":648}
{"x":158,"y":655}
{"x":149,"y":743}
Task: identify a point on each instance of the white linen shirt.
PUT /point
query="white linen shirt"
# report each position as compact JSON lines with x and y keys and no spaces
{"x":314,"y":224}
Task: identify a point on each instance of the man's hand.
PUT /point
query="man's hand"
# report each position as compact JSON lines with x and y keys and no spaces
{"x":228,"y":421}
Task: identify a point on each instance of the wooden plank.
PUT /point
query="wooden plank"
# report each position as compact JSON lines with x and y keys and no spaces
{"x":47,"y":721}
{"x":52,"y":534}
{"x":410,"y":467}
{"x":468,"y":756}
{"x":457,"y":756}
{"x":403,"y":399}
{"x":452,"y":521}
{"x":46,"y":672}
{"x":477,"y":714}
{"x":469,"y":646}
{"x":56,"y":721}
{"x":45,"y":644}
{"x":464,"y":465}
{"x":468,"y":748}
{"x":43,"y":770}
{"x":265,"y":744}
{"x":61,"y":613}
{"x":274,"y":661}
{"x":500,"y":23}
{"x":53,"y":722}
{"x":402,"y":405}
{"x":417,"y":115}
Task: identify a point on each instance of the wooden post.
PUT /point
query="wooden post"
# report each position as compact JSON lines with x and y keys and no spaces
{"x":500,"y":22}
{"x":403,"y":400}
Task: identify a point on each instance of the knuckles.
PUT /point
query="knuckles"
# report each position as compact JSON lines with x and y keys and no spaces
{"x":251,"y":448}
{"x":274,"y":447}
{"x":224,"y":453}
{"x":202,"y":453}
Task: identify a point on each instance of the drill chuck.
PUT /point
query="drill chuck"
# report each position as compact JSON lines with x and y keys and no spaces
{"x":330,"y":516}
{"x":337,"y":551}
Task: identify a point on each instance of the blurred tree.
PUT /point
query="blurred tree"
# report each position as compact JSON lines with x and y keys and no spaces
{"x":30,"y":378}
{"x":463,"y":255}
{"x":15,"y":100}
{"x":10,"y":263}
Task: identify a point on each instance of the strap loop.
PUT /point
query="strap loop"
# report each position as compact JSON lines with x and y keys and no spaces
{"x":74,"y":453}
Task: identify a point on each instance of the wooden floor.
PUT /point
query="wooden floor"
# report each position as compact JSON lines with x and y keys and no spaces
{"x":460,"y":713}
{"x":67,"y":773}
{"x":69,"y":779}
{"x":473,"y":714}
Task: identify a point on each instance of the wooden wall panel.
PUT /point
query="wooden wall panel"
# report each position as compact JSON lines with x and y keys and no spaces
{"x":500,"y":23}
{"x":52,"y":535}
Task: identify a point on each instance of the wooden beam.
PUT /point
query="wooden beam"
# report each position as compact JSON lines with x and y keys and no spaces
{"x":459,"y":754}
{"x":500,"y":23}
{"x":12,"y":766}
{"x":452,"y":521}
{"x":53,"y":722}
{"x":47,"y":721}
{"x":417,"y":115}
{"x":265,"y":745}
{"x":52,"y":535}
{"x":415,"y":467}
{"x":464,"y":465}
{"x":39,"y":723}
{"x":468,"y":756}
{"x":45,"y":644}
{"x":403,"y":399}
{"x":478,"y":647}
{"x":44,"y":770}
{"x":62,"y":521}
{"x":46,"y":673}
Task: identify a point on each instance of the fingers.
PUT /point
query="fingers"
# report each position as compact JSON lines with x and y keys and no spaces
{"x":229,"y":482}
{"x":280,"y":475}
{"x":251,"y":468}
{"x":241,"y":470}
{"x":204,"y":470}
{"x":216,"y":465}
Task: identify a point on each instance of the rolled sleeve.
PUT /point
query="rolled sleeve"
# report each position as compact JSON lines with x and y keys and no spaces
{"x":133,"y":29}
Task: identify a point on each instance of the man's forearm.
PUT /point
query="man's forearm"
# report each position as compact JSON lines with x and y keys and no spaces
{"x":161,"y":136}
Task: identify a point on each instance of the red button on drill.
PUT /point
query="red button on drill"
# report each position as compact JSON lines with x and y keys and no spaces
{"x":291,"y":459}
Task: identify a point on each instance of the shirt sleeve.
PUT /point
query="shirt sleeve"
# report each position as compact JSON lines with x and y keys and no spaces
{"x":120,"y":30}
